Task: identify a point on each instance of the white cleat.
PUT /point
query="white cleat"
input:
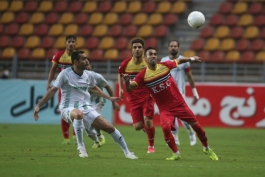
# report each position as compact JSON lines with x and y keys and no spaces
{"x":82,"y":152}
{"x":131,"y":155}
{"x":193,"y":140}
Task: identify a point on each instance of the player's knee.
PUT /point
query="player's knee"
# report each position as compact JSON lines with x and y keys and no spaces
{"x":148,"y":122}
{"x":166,"y":127}
{"x":79,"y":115}
{"x":138,"y":126}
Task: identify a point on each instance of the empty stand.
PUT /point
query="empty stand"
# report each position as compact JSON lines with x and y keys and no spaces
{"x":242,"y":45}
{"x":145,"y":31}
{"x":85,"y":30}
{"x":60,"y":6}
{"x":225,"y":8}
{"x":251,"y":32}
{"x":260,"y":56}
{"x":227,"y":44}
{"x":163,"y":7}
{"x":56,"y":30}
{"x":236,"y":32}
{"x":257,"y":45}
{"x":111,"y":54}
{"x":38,"y":53}
{"x":240,"y":8}
{"x":130,"y":31}
{"x":151,"y":42}
{"x":179,"y":7}
{"x":216,"y":20}
{"x":81,"y":18}
{"x":71,"y":29}
{"x":80,"y":42}
{"x":170,"y":19}
{"x":22,"y":17}
{"x":50,"y":53}
{"x":205,"y":55}
{"x":36,"y":18}
{"x":189,"y":53}
{"x":26,"y":29}
{"x":197,"y":44}
{"x":8,"y":53}
{"x":231,"y":20}
{"x":41,"y":29}
{"x":245,"y":20}
{"x":125,"y":54}
{"x":212,"y":44}
{"x":23,"y":54}
{"x":75,"y":6}
{"x":51,"y":18}
{"x":125,"y":19}
{"x":92,"y":43}
{"x":66,"y":18}
{"x":149,"y":7}
{"x":15,"y":6}
{"x":247,"y":57}
{"x":1,"y":29}
{"x":89,"y":7}
{"x":160,"y":31}
{"x":100,"y":30}
{"x":30,"y":6}
{"x":134,"y":7}
{"x":232,"y":55}
{"x":60,"y":42}
{"x":97,"y":54}
{"x":45,"y":6}
{"x":140,"y":19}
{"x":222,"y":31}
{"x":155,"y":19}
{"x":207,"y":32}
{"x":259,"y":20}
{"x":5,"y":41}
{"x":95,"y":18}
{"x":32,"y":42}
{"x":12,"y":29}
{"x":17,"y":41}
{"x":3,"y":6}
{"x":110,"y":18}
{"x":115,"y":30}
{"x":47,"y":42}
{"x":218,"y":56}
{"x":121,"y":43}
{"x":7,"y":17}
{"x":262,"y":33}
{"x":106,"y":43}
{"x":104,"y":7}
{"x":255,"y":8}
{"x":119,"y":7}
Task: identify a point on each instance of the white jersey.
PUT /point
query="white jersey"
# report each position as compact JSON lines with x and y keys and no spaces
{"x":101,"y":82}
{"x":75,"y":89}
{"x":179,"y":74}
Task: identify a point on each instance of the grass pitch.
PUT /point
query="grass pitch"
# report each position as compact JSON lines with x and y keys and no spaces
{"x":36,"y":151}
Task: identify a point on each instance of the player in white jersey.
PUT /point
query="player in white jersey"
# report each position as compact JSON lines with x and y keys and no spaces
{"x":97,"y":103}
{"x":75,"y":83}
{"x":179,"y":74}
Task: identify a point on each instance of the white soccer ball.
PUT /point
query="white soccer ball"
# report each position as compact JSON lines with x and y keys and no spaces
{"x":196,"y":19}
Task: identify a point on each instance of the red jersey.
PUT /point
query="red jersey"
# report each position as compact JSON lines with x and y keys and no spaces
{"x":161,"y":85}
{"x":129,"y":67}
{"x":62,"y":59}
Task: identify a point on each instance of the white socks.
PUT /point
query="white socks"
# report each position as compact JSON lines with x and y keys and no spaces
{"x":91,"y":133}
{"x":78,"y":127}
{"x":118,"y":138}
{"x":176,"y":126}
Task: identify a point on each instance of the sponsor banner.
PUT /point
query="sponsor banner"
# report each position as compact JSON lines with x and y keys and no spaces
{"x":220,"y":105}
{"x":19,"y":97}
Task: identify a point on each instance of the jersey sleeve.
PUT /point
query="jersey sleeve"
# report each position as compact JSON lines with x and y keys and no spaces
{"x":122,"y":66}
{"x":59,"y":81}
{"x":56,"y":57}
{"x":102,"y":82}
{"x":92,"y":82}
{"x":139,"y":79}
{"x":171,"y":64}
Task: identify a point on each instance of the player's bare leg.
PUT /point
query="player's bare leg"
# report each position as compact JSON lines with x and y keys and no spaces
{"x":150,"y":131}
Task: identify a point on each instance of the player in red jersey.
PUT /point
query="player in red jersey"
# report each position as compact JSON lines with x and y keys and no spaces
{"x":141,"y":103}
{"x":158,"y":80}
{"x":61,"y":60}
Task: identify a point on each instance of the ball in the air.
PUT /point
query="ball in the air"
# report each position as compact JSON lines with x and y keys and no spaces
{"x":196,"y":19}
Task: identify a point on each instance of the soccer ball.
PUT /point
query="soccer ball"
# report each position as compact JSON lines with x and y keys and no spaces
{"x":196,"y":19}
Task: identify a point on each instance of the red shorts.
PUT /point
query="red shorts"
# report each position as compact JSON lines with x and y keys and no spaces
{"x":182,"y":112}
{"x":138,"y":111}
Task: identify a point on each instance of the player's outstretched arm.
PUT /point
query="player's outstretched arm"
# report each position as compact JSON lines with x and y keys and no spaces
{"x":129,"y":85}
{"x":45,"y":99}
{"x":100,"y":93}
{"x":120,"y":85}
{"x":51,"y":75}
{"x":189,"y":59}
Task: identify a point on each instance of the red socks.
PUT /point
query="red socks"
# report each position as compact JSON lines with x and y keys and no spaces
{"x":201,"y":134}
{"x":166,"y":127}
{"x":150,"y":135}
{"x":65,"y":129}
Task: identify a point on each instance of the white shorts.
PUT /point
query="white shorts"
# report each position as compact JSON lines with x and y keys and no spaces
{"x":98,"y":108}
{"x":88,"y":119}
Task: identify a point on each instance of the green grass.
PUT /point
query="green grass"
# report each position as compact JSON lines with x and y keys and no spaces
{"x":36,"y":151}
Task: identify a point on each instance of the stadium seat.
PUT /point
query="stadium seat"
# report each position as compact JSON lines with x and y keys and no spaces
{"x":2,"y":29}
{"x":149,"y":7}
{"x":170,"y":19}
{"x":257,"y":45}
{"x":259,"y":20}
{"x":104,"y":7}
{"x":47,"y":42}
{"x":225,"y":8}
{"x":110,"y":18}
{"x":31,"y":6}
{"x":51,"y":53}
{"x":22,"y":17}
{"x":119,"y":7}
{"x":89,"y":7}
{"x":227,"y":44}
{"x":140,"y":19}
{"x":207,"y":32}
{"x":26,"y":29}
{"x":38,"y":53}
{"x":7,"y":17}
{"x":32,"y":42}
{"x":66,"y":18}
{"x":262,"y":33}
{"x":231,"y":20}
{"x":179,"y":7}
{"x":251,"y":32}
{"x":260,"y":56}
{"x":189,"y":53}
{"x":197,"y":44}
{"x":160,"y":31}
{"x":151,"y":42}
{"x":163,"y":7}
{"x":222,"y":31}
{"x":23,"y":54}
{"x":216,"y":20}
{"x":115,"y":30}
{"x":121,"y":43}
{"x":3,"y":6}
{"x":218,"y":56}
{"x":60,"y":6}
{"x":85,"y":30}
{"x":80,"y":42}
{"x":106,"y":43}
{"x":245,"y":20}
{"x":12,"y":29}
{"x":36,"y":18}
{"x":247,"y":57}
{"x":97,"y":54}
{"x":240,"y":8}
{"x":81,"y":18}
{"x":8,"y":53}
{"x":155,"y":19}
{"x":95,"y":18}
{"x":125,"y":54}
{"x":92,"y":43}
{"x":205,"y":55}
{"x":71,"y":29}
{"x":145,"y":31}
{"x":75,"y":6}
{"x":56,"y":30}
{"x":15,"y":6}
{"x":41,"y":29}
{"x":134,"y":7}
{"x":242,"y":45}
{"x":60,"y":43}
{"x":255,"y":8}
{"x":236,"y":32}
{"x":51,"y":18}
{"x":100,"y":31}
{"x":17,"y":41}
{"x":125,"y":19}
{"x":232,"y":55}
{"x":130,"y":31}
{"x":212,"y":44}
{"x":111,"y":54}
{"x":5,"y":41}
{"x":45,"y":6}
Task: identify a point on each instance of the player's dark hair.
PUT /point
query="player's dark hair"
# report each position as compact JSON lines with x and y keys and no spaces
{"x":148,"y":48}
{"x":76,"y":55}
{"x":174,"y":41}
{"x":137,"y":40}
{"x":70,"y":37}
